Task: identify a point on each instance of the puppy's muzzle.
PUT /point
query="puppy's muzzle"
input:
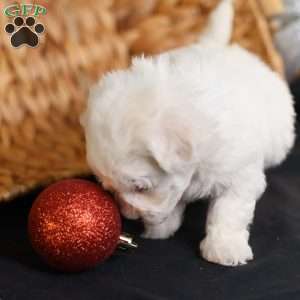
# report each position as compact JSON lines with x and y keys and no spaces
{"x":127,"y":210}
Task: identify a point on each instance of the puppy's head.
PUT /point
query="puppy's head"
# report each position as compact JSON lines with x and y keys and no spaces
{"x":139,"y":143}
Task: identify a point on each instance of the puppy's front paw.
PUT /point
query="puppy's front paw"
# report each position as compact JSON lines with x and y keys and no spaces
{"x":160,"y":227}
{"x":157,"y":232}
{"x":229,"y":249}
{"x":163,"y":230}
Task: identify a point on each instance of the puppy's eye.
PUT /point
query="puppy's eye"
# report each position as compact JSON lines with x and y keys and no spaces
{"x":140,"y":189}
{"x":141,"y":185}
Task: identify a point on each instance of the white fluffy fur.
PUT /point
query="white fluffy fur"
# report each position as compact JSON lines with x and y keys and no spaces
{"x":204,"y":120}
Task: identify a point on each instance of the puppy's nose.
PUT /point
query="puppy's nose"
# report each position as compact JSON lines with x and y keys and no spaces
{"x":106,"y":186}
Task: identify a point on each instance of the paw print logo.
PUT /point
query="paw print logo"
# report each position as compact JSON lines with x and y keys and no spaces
{"x":24,"y":32}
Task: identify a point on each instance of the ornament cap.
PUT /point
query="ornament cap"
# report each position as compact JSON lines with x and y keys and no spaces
{"x":126,"y":242}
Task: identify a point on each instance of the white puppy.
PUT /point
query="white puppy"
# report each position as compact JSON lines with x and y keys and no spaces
{"x":201,"y":121}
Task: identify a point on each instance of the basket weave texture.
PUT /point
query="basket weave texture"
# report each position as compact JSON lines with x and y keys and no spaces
{"x":43,"y":90}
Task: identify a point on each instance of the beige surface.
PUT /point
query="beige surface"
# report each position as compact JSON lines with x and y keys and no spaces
{"x":272,"y":7}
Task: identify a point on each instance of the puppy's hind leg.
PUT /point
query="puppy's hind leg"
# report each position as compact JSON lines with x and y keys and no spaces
{"x":167,"y":226}
{"x":229,"y":216}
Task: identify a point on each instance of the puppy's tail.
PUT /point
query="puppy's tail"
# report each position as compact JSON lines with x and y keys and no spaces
{"x":219,"y":28}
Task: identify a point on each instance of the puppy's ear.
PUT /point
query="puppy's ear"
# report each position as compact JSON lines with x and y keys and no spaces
{"x":173,"y":148}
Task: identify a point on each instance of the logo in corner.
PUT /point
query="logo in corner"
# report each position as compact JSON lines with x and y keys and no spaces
{"x":24,"y":30}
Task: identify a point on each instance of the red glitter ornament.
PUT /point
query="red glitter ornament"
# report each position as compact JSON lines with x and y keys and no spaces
{"x":74,"y":224}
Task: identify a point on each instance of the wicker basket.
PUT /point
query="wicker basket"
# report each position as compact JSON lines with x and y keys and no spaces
{"x":42,"y":90}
